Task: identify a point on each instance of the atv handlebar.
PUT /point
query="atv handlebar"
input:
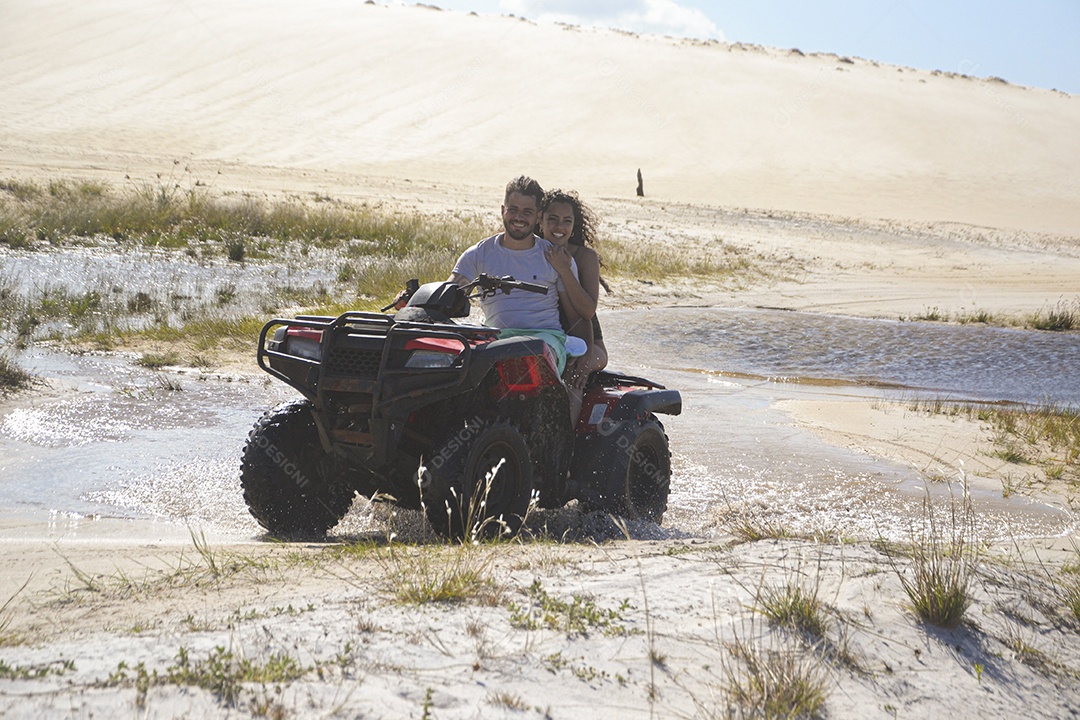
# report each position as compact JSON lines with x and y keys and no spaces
{"x":411,"y":286}
{"x":485,"y":286}
{"x":489,"y":285}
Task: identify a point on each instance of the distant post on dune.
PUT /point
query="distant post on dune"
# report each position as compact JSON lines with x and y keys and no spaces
{"x":640,"y":184}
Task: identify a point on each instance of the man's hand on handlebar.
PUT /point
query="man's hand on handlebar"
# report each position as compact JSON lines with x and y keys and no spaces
{"x":489,"y":285}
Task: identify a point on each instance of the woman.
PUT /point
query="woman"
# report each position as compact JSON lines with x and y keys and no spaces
{"x":569,"y":225}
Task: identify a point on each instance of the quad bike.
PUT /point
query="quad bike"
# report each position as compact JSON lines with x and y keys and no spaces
{"x":432,"y":414}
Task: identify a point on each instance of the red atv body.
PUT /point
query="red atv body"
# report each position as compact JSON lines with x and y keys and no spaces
{"x":436,"y":415}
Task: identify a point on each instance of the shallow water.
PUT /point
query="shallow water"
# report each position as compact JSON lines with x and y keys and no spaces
{"x":110,"y":439}
{"x":136,"y":286}
{"x":970,"y":362}
{"x":737,"y":455}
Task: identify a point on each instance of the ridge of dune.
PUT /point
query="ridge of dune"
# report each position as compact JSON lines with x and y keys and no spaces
{"x":410,"y":92}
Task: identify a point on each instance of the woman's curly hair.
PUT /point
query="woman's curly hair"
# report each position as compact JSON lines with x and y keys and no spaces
{"x":584,"y":220}
{"x":584,"y":232}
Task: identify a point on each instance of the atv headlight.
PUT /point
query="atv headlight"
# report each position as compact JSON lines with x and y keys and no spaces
{"x":429,"y":359}
{"x":303,"y":347}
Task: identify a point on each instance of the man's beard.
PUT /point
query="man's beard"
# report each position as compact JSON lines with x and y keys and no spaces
{"x":520,"y":235}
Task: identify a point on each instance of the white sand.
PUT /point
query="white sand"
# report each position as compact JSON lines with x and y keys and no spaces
{"x":275,"y":86}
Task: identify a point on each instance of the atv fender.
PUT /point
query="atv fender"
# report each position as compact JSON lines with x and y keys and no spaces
{"x":638,"y":403}
{"x":484,"y":357}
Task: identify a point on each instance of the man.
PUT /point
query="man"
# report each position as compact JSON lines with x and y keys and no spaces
{"x":517,"y":251}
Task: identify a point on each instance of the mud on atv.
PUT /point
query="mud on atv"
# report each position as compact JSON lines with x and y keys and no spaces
{"x":444,"y":417}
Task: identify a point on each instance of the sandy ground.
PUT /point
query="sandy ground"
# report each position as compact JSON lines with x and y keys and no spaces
{"x":644,"y":629}
{"x":864,"y":189}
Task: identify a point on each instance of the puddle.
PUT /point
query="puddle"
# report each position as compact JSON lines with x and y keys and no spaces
{"x":110,"y":439}
{"x":938,"y":360}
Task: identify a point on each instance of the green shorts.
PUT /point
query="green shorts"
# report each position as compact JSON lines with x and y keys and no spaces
{"x":555,"y":338}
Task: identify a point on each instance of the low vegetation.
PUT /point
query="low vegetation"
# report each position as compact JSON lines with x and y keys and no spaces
{"x":1044,"y":438}
{"x":361,"y":254}
{"x":205,"y":567}
{"x":773,"y":677}
{"x":268,"y":659}
{"x":313,"y":253}
{"x":13,"y":377}
{"x":223,"y":673}
{"x":179,"y":212}
{"x":440,"y":574}
{"x":944,"y":560}
{"x":577,"y":616}
{"x":1063,"y":316}
{"x":795,"y":606}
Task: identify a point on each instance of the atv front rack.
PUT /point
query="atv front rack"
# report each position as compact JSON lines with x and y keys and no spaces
{"x":393,"y":334}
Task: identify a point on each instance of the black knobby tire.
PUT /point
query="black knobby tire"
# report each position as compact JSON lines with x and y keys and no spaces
{"x":291,"y":485}
{"x":628,"y":471}
{"x":463,"y":497}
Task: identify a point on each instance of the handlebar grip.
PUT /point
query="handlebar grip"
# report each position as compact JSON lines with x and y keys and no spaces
{"x":532,"y":287}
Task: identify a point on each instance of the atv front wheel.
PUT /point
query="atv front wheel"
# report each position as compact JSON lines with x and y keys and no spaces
{"x":291,"y":485}
{"x":479,"y":482}
{"x":628,"y":471}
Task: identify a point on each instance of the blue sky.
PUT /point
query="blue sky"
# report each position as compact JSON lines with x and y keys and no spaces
{"x":1029,"y":42}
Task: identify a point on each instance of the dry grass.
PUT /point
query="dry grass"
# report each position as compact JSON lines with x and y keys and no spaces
{"x":1069,"y":585}
{"x":440,"y":574}
{"x":7,"y":637}
{"x":178,"y":211}
{"x":772,"y":677}
{"x":1063,"y":316}
{"x":13,"y":377}
{"x":795,"y":606}
{"x":750,"y":526}
{"x":208,"y":566}
{"x":943,"y":563}
{"x":1044,"y":435}
{"x":633,"y":259}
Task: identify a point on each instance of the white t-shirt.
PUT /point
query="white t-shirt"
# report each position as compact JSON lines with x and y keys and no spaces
{"x":518,"y":308}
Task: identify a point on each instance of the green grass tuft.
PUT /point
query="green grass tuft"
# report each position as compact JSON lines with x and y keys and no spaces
{"x":13,"y":377}
{"x":1061,"y":317}
{"x":157,"y":361}
{"x":943,"y":564}
{"x":439,"y":574}
{"x":794,"y":606}
{"x":773,"y":679}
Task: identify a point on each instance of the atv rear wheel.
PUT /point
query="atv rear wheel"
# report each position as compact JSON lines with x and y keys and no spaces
{"x":291,"y":485}
{"x":628,"y":471}
{"x":480,"y":482}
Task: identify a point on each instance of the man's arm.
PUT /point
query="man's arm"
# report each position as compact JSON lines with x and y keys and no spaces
{"x":466,"y":268}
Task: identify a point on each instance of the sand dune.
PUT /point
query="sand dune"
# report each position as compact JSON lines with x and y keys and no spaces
{"x":412,"y":92}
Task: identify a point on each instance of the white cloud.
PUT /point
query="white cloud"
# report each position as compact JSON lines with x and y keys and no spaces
{"x":661,"y":17}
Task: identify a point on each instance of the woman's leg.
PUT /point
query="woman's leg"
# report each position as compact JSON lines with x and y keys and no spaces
{"x":595,"y":359}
